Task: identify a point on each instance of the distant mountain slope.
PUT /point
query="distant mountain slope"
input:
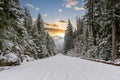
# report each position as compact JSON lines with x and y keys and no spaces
{"x":59,"y":43}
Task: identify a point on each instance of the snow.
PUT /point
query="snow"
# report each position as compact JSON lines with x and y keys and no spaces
{"x":8,"y":44}
{"x":9,"y":56}
{"x":27,"y":59}
{"x":117,"y":61}
{"x":1,"y":8}
{"x":62,"y":67}
{"x":4,"y":68}
{"x":59,"y":41}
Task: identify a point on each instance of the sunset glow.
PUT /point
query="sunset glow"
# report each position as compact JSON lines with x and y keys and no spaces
{"x":55,"y":13}
{"x":56,"y":32}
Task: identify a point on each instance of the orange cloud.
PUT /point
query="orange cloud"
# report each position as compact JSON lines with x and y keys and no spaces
{"x":55,"y":32}
{"x":48,"y":25}
{"x":56,"y":24}
{"x":57,"y":28}
{"x":62,"y":24}
{"x":62,"y":21}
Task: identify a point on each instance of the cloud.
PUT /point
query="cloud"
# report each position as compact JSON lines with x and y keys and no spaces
{"x":50,"y":25}
{"x":57,"y":24}
{"x":30,"y":5}
{"x":33,"y":7}
{"x":60,"y":30}
{"x":56,"y":28}
{"x":45,"y":15}
{"x":60,"y":10}
{"x":37,"y":9}
{"x":62,"y":21}
{"x":79,"y":8}
{"x":55,"y":32}
{"x":70,"y":3}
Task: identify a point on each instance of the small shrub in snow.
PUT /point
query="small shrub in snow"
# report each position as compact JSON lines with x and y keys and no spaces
{"x":27,"y":58}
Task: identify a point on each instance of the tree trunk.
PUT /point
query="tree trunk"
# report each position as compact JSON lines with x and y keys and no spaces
{"x":113,"y":34}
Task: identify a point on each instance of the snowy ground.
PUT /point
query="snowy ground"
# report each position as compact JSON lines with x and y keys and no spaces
{"x":4,"y":68}
{"x":62,"y":67}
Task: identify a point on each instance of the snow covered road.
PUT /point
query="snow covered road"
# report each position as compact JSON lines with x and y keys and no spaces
{"x":62,"y":67}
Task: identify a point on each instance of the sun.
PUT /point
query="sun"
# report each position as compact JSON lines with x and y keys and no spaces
{"x":61,"y":34}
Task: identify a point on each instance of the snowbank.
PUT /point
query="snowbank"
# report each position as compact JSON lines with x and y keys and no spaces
{"x":9,"y":57}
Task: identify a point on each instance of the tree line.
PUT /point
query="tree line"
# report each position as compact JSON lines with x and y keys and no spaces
{"x":97,"y":34}
{"x":20,"y":36}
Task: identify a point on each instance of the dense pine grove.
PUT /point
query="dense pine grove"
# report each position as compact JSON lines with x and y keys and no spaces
{"x":98,"y":33}
{"x":20,"y":38}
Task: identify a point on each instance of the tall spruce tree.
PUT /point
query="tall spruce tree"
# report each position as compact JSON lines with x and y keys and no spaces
{"x":10,"y":29}
{"x":117,"y":17}
{"x":68,"y":40}
{"x":43,"y":39}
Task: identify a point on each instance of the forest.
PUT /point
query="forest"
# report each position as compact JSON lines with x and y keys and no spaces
{"x":96,"y":36}
{"x":20,"y":38}
{"x":97,"y":33}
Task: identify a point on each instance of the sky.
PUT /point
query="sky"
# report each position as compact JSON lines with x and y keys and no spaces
{"x":55,"y":13}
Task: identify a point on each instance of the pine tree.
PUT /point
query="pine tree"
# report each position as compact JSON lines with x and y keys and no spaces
{"x":41,"y":40}
{"x":18,"y":36}
{"x":68,"y":41}
{"x":11,"y":11}
{"x":10,"y":27}
{"x":117,"y":17}
{"x":2,"y":18}
{"x":50,"y":45}
{"x":30,"y":46}
{"x":102,"y":16}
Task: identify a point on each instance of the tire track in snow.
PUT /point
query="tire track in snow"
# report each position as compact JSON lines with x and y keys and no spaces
{"x":103,"y":70}
{"x":91,"y":69}
{"x":61,"y":67}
